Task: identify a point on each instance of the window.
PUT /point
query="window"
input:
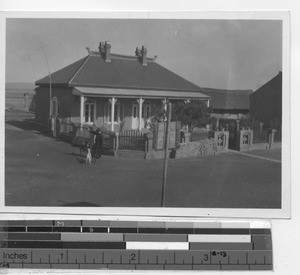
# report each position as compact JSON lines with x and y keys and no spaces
{"x":146,"y":110}
{"x":135,"y":109}
{"x":118,"y":115}
{"x":90,"y":111}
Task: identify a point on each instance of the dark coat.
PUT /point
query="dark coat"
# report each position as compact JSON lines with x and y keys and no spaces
{"x":98,"y":143}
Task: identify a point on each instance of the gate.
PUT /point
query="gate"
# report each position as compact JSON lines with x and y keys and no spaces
{"x":230,"y":125}
{"x":132,"y":140}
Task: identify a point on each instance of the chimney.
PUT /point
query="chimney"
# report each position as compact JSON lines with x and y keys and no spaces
{"x":104,"y":49}
{"x":142,"y":55}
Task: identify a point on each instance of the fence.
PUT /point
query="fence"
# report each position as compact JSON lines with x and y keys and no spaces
{"x":67,"y":128}
{"x":131,"y":140}
{"x":200,"y":134}
{"x":261,"y":136}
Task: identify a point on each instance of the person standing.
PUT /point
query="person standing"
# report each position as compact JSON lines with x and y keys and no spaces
{"x":98,"y":143}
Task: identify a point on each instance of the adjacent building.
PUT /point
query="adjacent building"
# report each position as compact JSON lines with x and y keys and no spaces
{"x":266,"y":103}
{"x":229,"y":104}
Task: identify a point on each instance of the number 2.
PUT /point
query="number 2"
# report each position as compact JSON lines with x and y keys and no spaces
{"x":132,"y":257}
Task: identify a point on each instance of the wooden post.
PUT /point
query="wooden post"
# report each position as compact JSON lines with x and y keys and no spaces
{"x":112,"y":114}
{"x":81,"y":110}
{"x":166,"y":145}
{"x":140,"y":101}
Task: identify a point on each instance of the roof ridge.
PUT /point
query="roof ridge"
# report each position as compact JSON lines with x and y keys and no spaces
{"x":120,"y":56}
{"x":79,"y":69}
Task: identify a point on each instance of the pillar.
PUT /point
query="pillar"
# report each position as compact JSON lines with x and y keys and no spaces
{"x":112,"y":114}
{"x":81,"y":109}
{"x":207,"y":102}
{"x":140,"y":112}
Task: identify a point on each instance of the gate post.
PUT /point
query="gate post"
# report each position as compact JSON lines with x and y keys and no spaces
{"x":116,"y":143}
{"x":271,"y":137}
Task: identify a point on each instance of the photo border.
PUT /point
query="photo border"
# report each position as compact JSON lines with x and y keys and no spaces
{"x":284,"y":212}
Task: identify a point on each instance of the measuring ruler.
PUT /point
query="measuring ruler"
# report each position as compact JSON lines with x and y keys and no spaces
{"x":132,"y":245}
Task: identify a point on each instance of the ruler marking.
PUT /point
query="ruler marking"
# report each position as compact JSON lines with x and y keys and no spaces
{"x":156,"y":259}
{"x":49,"y":258}
{"x":139,"y":256}
{"x":174,"y":257}
{"x":264,"y":259}
{"x":85,"y":258}
{"x":93,"y":260}
{"x":67,"y":255}
{"x":192,"y":260}
{"x":228,"y":259}
{"x":31,"y":256}
{"x":103,"y":257}
{"x":121,"y":259}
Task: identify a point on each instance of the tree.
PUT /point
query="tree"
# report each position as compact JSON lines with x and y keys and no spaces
{"x":194,"y":113}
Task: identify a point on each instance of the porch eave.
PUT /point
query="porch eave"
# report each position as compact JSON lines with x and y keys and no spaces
{"x":132,"y":93}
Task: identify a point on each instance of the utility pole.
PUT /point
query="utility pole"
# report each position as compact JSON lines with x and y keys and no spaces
{"x":50,"y":91}
{"x":166,"y":146}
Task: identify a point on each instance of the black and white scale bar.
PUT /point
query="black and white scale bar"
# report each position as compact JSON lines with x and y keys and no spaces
{"x":142,"y":230}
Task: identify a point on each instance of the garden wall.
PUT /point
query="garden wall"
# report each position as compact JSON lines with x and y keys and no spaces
{"x":195,"y":149}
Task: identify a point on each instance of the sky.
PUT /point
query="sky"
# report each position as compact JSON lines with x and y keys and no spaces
{"x":224,"y":54}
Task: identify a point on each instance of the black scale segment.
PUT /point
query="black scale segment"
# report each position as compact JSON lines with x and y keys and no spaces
{"x":63,"y":245}
{"x":122,"y":230}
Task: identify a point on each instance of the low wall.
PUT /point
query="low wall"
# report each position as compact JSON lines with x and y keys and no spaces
{"x":195,"y":149}
{"x":245,"y":138}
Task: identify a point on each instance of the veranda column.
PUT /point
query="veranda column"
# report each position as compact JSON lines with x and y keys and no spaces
{"x":207,"y":102}
{"x":112,"y":115}
{"x":164,"y":102}
{"x":81,"y":109}
{"x":140,"y":100}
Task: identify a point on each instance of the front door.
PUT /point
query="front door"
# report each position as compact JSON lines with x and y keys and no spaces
{"x":135,"y":116}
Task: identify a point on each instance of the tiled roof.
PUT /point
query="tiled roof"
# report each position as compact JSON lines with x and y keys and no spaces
{"x":228,"y":99}
{"x":63,"y":76}
{"x":122,"y":72}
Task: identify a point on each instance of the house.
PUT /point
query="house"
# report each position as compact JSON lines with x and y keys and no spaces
{"x":266,"y":103}
{"x":111,"y":90}
{"x":229,"y":104}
